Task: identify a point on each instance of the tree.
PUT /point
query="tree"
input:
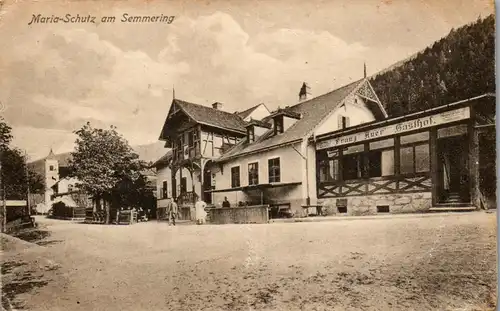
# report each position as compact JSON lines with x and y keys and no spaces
{"x":105,"y":166}
{"x":15,"y":176}
{"x":459,"y":66}
{"x":5,"y":134}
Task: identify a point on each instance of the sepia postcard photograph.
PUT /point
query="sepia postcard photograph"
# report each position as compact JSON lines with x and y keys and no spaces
{"x":217,"y":155}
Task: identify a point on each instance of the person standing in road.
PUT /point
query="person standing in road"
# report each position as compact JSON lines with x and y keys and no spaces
{"x":201,"y":215}
{"x":172,"y":210}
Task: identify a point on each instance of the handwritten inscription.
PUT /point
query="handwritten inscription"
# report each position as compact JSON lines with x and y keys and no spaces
{"x":421,"y":123}
{"x":92,"y":19}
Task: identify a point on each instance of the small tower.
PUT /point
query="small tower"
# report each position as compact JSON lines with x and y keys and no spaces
{"x":51,"y":175}
{"x":304,"y":92}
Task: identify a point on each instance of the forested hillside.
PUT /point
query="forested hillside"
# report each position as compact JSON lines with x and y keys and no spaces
{"x":459,"y":66}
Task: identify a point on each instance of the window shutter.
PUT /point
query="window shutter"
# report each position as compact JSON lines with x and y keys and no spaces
{"x":347,"y":121}
{"x":339,"y":122}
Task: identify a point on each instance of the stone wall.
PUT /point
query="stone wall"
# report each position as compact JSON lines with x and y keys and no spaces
{"x":367,"y":205}
{"x":240,"y":215}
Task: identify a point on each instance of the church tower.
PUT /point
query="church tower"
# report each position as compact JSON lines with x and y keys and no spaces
{"x":51,"y":175}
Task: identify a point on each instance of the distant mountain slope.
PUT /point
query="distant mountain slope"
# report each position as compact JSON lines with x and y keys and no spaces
{"x":147,"y":152}
{"x":151,"y":152}
{"x":459,"y":66}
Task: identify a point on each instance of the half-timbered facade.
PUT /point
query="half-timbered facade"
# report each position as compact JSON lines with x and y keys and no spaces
{"x":196,"y":135}
{"x":439,"y":158}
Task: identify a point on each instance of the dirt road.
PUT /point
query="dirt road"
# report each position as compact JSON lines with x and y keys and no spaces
{"x":436,"y":263}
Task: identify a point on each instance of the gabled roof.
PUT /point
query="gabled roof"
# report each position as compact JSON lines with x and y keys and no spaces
{"x":51,"y":155}
{"x":163,"y":160}
{"x":245,"y":113}
{"x":312,"y":112}
{"x":210,"y":116}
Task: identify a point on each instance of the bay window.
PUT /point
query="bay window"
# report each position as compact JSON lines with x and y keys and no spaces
{"x":374,"y":159}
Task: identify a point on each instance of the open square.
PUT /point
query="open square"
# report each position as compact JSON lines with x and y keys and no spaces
{"x":442,"y":262}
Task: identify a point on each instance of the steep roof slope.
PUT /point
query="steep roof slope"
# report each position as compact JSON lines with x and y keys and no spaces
{"x":212,"y":117}
{"x":245,"y":113}
{"x":164,"y":159}
{"x":313,"y":111}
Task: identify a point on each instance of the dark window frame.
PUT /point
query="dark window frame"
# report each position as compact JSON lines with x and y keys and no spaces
{"x":380,"y":151}
{"x":164,"y":189}
{"x":253,"y":173}
{"x":344,"y":122}
{"x":191,"y":139}
{"x":413,"y":145}
{"x":365,"y":165}
{"x":235,"y":177}
{"x":250,"y":135}
{"x":279,"y":125}
{"x":272,"y":176}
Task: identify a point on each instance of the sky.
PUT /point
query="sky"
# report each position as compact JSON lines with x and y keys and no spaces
{"x":55,"y":77}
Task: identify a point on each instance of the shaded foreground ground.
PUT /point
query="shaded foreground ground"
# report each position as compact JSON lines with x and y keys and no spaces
{"x":436,"y":263}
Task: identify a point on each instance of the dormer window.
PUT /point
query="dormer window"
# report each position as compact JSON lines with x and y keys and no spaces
{"x":250,"y":134}
{"x":278,"y":125}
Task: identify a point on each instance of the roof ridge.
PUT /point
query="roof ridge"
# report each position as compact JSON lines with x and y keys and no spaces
{"x":353,"y":91}
{"x":248,"y":109}
{"x":327,"y":93}
{"x":329,"y":113}
{"x":200,"y":105}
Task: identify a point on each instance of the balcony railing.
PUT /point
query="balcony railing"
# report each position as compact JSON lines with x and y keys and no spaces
{"x":184,"y":154}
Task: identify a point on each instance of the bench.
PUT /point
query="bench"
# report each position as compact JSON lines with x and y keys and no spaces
{"x":278,"y":208}
{"x":319,"y":209}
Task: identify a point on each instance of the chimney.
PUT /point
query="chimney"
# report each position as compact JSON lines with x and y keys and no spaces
{"x":217,"y":106}
{"x":304,"y":91}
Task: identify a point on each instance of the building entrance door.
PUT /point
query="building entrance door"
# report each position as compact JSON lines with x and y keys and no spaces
{"x":207,"y":185}
{"x":453,"y":170}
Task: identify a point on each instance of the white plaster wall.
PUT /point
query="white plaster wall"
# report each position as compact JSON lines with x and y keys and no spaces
{"x":290,"y":163}
{"x":288,"y":122}
{"x":64,"y":184}
{"x":311,"y":157}
{"x":51,"y":178}
{"x":358,"y":113}
{"x":163,"y":174}
{"x":259,"y":113}
{"x":259,"y":131}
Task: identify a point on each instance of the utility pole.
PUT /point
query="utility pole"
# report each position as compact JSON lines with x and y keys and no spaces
{"x":27,"y":183}
{"x":2,"y":188}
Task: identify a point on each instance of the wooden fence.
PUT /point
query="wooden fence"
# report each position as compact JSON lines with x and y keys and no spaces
{"x":258,"y":214}
{"x":126,"y":217}
{"x":61,"y":211}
